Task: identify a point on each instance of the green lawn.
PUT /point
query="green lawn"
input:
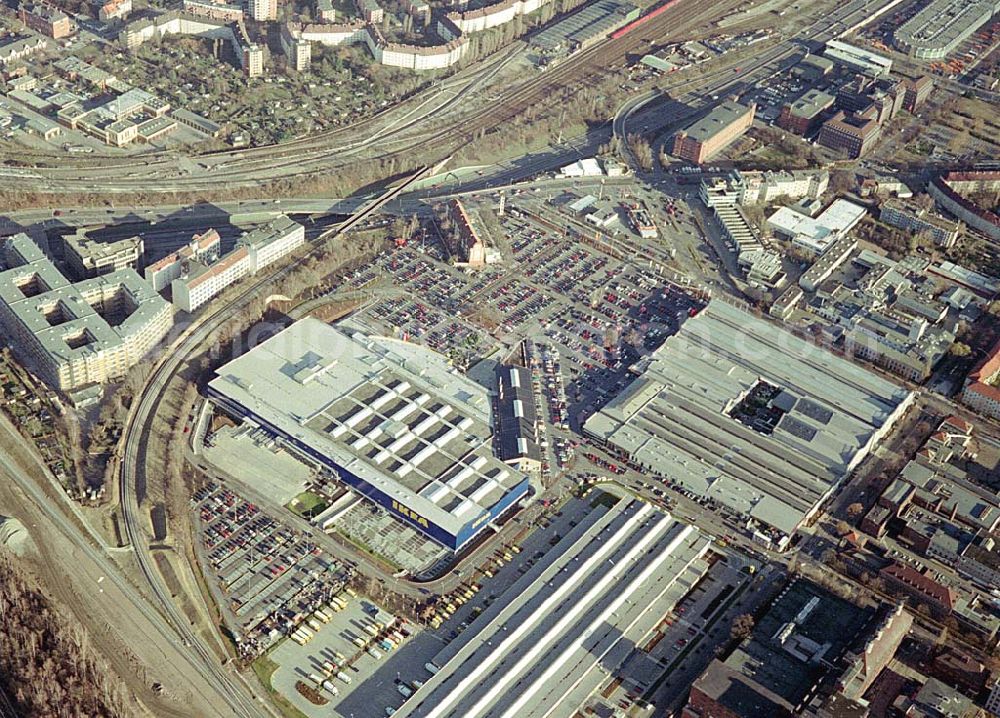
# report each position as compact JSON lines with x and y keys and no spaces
{"x":307,"y":504}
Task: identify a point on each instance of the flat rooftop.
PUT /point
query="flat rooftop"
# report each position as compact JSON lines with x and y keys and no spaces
{"x":65,"y":318}
{"x":818,"y":232}
{"x":736,"y":409}
{"x":393,"y":414}
{"x":943,"y":23}
{"x":722,"y":116}
{"x":575,"y":617}
{"x":805,"y":630}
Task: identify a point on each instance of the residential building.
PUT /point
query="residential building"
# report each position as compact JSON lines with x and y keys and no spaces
{"x":948,"y":191}
{"x":769,"y":186}
{"x":907,"y":216}
{"x":114,"y":10}
{"x":298,"y":52}
{"x":76,"y":335}
{"x":214,"y":10}
{"x":200,"y":282}
{"x":263,"y":10}
{"x":470,"y":244}
{"x":854,"y":135}
{"x":806,"y":643}
{"x":865,"y":664}
{"x":271,"y":242}
{"x":46,"y":19}
{"x":91,"y":258}
{"x":706,"y":137}
{"x":197,"y":281}
{"x":204,"y":248}
{"x":325,"y":11}
{"x":938,"y":700}
{"x":18,"y":50}
{"x":982,"y":386}
{"x":804,"y":114}
{"x":370,"y":10}
{"x":993,"y":700}
{"x":920,"y":588}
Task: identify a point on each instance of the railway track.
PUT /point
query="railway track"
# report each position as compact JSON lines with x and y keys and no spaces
{"x":133,"y":467}
{"x":397,"y":139}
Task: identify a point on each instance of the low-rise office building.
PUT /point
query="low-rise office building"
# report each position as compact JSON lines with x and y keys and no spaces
{"x":76,"y":335}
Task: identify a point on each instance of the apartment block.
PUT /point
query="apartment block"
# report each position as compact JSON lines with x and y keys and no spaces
{"x":46,"y":20}
{"x":708,"y":136}
{"x":982,"y":386}
{"x":944,"y":232}
{"x":197,"y":282}
{"x":76,"y":335}
{"x":114,"y":10}
{"x":298,"y":52}
{"x":370,"y":11}
{"x":263,"y":10}
{"x":204,"y":248}
{"x":89,"y":258}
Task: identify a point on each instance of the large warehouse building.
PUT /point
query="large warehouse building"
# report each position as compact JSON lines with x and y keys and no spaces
{"x":554,"y":637}
{"x":735,"y":409}
{"x":937,"y":30}
{"x":392,"y":419}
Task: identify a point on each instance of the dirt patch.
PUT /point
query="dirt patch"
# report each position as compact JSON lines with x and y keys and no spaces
{"x":310,"y":694}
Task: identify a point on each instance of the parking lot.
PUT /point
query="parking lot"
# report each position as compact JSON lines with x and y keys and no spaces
{"x":265,"y":575}
{"x":590,"y":308}
{"x":351,"y":654}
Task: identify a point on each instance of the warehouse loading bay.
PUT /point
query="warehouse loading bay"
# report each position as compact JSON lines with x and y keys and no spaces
{"x":680,"y":607}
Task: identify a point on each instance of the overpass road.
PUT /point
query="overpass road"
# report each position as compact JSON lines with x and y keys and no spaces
{"x":440,"y":118}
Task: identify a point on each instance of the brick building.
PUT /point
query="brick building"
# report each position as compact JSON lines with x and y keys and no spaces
{"x":854,"y":135}
{"x":720,"y":127}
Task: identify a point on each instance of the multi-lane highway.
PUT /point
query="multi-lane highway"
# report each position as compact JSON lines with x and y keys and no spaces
{"x":434,"y":123}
